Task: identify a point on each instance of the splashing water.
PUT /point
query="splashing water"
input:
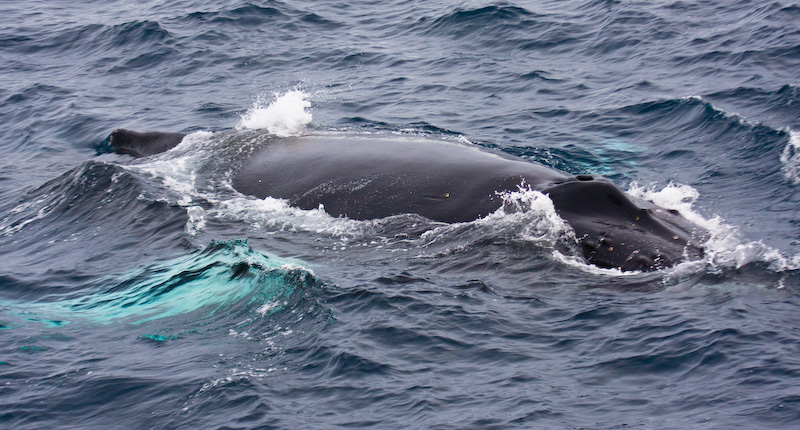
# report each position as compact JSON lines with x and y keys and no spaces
{"x":724,"y":246}
{"x":285,"y":116}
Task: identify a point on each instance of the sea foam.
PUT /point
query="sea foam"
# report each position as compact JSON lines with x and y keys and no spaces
{"x":286,"y":115}
{"x":724,"y":246}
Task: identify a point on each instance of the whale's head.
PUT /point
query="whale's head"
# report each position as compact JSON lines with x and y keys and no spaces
{"x":614,"y":231}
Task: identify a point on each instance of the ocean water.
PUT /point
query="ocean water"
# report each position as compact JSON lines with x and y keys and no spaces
{"x":148,"y":294}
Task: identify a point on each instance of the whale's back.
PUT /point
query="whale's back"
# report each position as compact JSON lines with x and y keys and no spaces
{"x":370,"y":178}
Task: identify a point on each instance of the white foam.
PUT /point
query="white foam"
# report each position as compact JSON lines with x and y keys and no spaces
{"x":178,"y":171}
{"x":527,"y":215}
{"x":790,"y":158}
{"x":270,"y":306}
{"x":673,"y":196}
{"x":284,"y":116}
{"x":580,"y":263}
{"x":197,"y":220}
{"x":536,"y":214}
{"x":277,"y":214}
{"x":194,"y":141}
{"x":463,"y":139}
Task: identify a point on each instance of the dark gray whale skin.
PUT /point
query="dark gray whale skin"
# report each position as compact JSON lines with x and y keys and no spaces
{"x":364,"y":177}
{"x":143,"y":144}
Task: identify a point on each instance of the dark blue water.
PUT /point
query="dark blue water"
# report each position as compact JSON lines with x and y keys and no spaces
{"x":148,"y":294}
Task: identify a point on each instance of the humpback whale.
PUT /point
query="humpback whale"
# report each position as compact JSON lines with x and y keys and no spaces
{"x":369,"y":177}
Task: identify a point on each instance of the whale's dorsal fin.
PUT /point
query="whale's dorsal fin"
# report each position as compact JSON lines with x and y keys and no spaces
{"x":143,"y":144}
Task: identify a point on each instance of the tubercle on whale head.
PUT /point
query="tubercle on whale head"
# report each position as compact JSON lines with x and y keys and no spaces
{"x":613,"y":231}
{"x":643,"y":257}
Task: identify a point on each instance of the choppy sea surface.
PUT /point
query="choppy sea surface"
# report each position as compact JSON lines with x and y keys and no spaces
{"x":149,"y":294}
